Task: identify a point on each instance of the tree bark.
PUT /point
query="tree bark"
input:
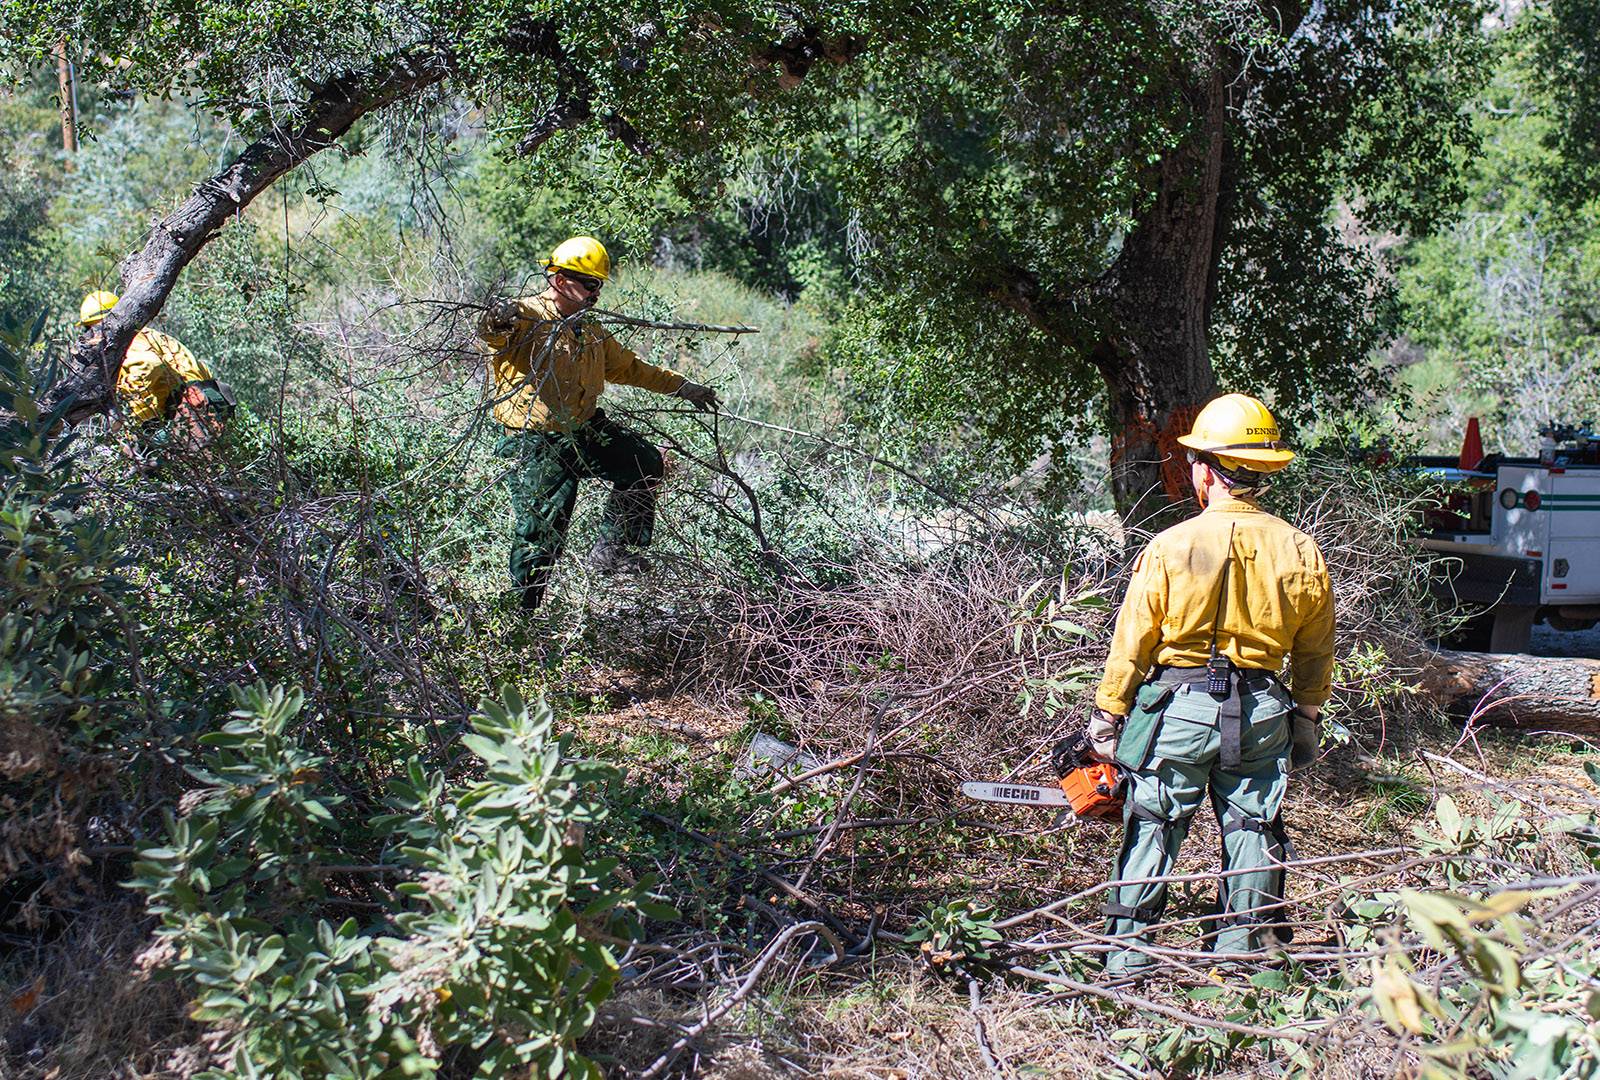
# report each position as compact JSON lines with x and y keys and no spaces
{"x":1152,"y":347}
{"x":148,"y":275}
{"x":69,"y":99}
{"x":1514,"y":690}
{"x":1156,"y":363}
{"x":1151,"y":343}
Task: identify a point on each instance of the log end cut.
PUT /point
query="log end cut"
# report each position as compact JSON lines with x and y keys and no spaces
{"x":1532,"y":693}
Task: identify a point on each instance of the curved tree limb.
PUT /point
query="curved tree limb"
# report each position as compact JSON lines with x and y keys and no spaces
{"x":148,"y":275}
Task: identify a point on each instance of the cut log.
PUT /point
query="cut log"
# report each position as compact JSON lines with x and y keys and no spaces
{"x":1515,"y":690}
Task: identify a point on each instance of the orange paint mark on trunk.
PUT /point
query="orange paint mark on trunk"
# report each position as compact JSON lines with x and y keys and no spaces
{"x":1142,"y":432}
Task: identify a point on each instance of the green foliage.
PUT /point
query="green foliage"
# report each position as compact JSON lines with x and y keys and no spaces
{"x":29,"y":250}
{"x":1505,"y":297}
{"x":956,"y":931}
{"x":512,"y":935}
{"x":236,"y":887}
{"x":974,"y":173}
{"x":1565,"y":35}
{"x":1000,"y":207}
{"x":69,"y":662}
{"x":1393,"y":794}
{"x":59,"y":635}
{"x":1044,"y":621}
{"x":1505,"y":990}
{"x":503,"y":956}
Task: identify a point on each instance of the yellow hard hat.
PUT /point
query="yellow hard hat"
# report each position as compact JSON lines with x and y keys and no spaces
{"x":582,"y":255}
{"x":1241,"y":432}
{"x":95,"y":306}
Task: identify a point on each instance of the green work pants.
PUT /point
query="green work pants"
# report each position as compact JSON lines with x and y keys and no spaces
{"x":1186,"y":759}
{"x":544,"y":489}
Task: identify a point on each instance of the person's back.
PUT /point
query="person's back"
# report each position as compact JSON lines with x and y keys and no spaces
{"x":1191,"y":701}
{"x":1276,"y":602}
{"x":156,"y":366}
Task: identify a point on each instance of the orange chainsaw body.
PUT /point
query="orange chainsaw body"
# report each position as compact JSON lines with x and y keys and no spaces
{"x":1095,"y":791}
{"x":1092,"y":786}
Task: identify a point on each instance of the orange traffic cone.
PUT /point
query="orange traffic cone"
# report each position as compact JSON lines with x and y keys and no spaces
{"x":1471,"y":447}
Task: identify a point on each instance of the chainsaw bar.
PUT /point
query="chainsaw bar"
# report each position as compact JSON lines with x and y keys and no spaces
{"x":1021,"y":794}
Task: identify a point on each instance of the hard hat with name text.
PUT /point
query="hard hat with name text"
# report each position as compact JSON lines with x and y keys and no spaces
{"x":1241,"y":432}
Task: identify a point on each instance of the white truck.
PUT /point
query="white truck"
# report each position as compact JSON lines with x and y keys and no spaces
{"x":1523,"y":536}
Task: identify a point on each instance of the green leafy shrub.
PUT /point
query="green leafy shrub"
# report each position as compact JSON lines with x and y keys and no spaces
{"x":956,"y":931}
{"x":1490,"y":980}
{"x":494,"y":948}
{"x":66,"y":651}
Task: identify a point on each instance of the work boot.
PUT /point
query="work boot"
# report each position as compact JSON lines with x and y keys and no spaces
{"x":610,"y":557}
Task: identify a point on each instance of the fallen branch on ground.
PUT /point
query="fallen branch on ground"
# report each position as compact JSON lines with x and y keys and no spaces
{"x":743,"y":990}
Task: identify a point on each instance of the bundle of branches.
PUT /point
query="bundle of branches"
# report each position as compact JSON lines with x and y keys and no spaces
{"x":839,"y":589}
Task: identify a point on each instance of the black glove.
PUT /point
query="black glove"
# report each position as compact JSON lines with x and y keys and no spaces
{"x":701,"y":397}
{"x":504,"y":312}
{"x":1305,"y":737}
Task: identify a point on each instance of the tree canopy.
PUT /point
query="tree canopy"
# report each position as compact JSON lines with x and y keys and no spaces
{"x":1056,"y":217}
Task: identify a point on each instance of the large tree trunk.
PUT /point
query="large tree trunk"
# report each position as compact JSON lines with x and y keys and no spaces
{"x":1154,"y":351}
{"x":1531,"y":693}
{"x":1157,"y":363}
{"x":148,"y":275}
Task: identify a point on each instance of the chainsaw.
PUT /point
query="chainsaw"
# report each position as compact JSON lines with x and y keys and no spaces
{"x":1089,"y":788}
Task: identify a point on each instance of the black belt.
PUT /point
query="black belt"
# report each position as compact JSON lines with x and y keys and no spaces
{"x":1178,"y":674}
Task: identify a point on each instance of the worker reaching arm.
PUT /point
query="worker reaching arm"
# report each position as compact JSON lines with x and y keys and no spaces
{"x":547,"y":369}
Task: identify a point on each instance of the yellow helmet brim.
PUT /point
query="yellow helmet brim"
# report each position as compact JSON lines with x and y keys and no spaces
{"x":1260,"y":456}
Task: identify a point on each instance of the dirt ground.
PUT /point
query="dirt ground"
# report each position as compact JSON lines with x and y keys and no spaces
{"x":1548,"y":642}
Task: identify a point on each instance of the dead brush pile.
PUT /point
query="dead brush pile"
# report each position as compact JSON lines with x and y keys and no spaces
{"x":975,"y":660}
{"x":972,"y":635}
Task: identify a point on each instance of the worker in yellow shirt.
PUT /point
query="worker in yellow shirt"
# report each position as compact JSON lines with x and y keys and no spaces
{"x":162,"y":383}
{"x":547,"y":367}
{"x":1191,"y":698}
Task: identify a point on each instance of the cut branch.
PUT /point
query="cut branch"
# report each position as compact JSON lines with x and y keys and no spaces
{"x":602,"y":315}
{"x":148,"y":275}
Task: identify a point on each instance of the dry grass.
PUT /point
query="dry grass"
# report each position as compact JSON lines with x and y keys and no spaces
{"x":896,"y":1022}
{"x":83,"y":1006}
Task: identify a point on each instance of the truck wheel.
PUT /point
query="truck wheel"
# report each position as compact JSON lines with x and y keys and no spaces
{"x":1561,"y":622}
{"x":1513,"y":629}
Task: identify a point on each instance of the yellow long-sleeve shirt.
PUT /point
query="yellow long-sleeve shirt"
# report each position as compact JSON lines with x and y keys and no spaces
{"x":546,"y":379}
{"x":155,"y":366}
{"x":1280,"y":603}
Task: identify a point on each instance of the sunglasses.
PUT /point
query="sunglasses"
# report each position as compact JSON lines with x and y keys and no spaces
{"x":588,"y":284}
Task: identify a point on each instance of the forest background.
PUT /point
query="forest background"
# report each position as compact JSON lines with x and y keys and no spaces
{"x":280,"y":796}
